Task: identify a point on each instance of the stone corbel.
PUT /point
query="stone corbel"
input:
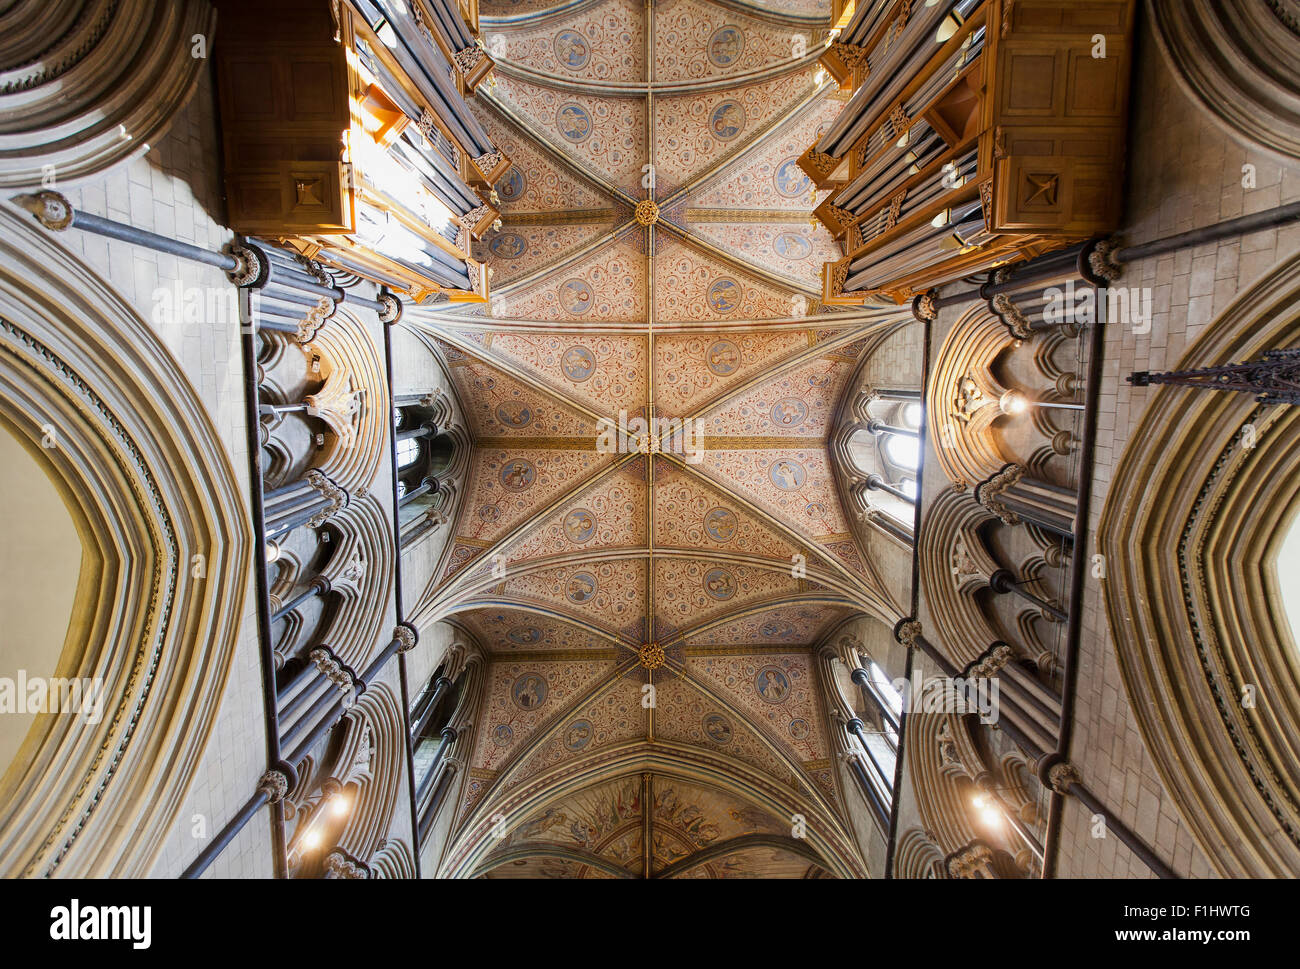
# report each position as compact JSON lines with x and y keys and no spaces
{"x":991,"y":663}
{"x":989,"y":493}
{"x":1015,"y":320}
{"x":338,"y":497}
{"x":339,"y":865}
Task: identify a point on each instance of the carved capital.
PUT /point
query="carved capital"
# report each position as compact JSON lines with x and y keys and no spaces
{"x":973,"y":861}
{"x":50,"y":209}
{"x":1102,"y":262}
{"x":907,"y":632}
{"x":392,"y":311}
{"x":1061,"y":776}
{"x":406,"y":635}
{"x":275,"y":784}
{"x":924,"y":306}
{"x":250,"y":267}
{"x":332,"y":671}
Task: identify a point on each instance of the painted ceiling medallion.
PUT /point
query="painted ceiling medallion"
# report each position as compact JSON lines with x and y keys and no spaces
{"x":512,"y":186}
{"x":726,"y":45}
{"x":576,"y":297}
{"x":717,"y":728}
{"x":719,"y":584}
{"x":578,"y":734}
{"x":720,"y":523}
{"x":652,"y":656}
{"x":725,"y":295}
{"x":788,"y":245}
{"x":772,"y":684}
{"x":727,"y":120}
{"x":574,"y":123}
{"x":582,"y":587}
{"x":579,"y":526}
{"x":578,"y":363}
{"x":524,"y":635}
{"x":647,"y":212}
{"x":787,"y":474}
{"x":790,"y":179}
{"x":518,"y":475}
{"x":508,"y":245}
{"x":789,"y":412}
{"x":512,"y":413}
{"x":723,"y":358}
{"x":530,"y":691}
{"x":572,"y":50}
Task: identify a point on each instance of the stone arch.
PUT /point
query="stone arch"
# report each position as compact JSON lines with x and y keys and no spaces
{"x":1192,"y":597}
{"x":139,"y":457}
{"x":85,"y":84}
{"x":1240,"y":61}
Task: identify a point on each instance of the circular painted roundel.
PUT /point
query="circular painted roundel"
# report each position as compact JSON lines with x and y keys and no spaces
{"x":772,"y":684}
{"x":501,"y":734}
{"x":512,"y":185}
{"x":514,"y":414}
{"x":530,"y":691}
{"x":789,"y":412}
{"x":776,"y":630}
{"x":518,"y":475}
{"x":723,"y":358}
{"x":790,"y":179}
{"x":787,"y":474}
{"x":579,"y":525}
{"x":798,"y":728}
{"x":724,"y":295}
{"x":727,"y":120}
{"x":508,"y":245}
{"x":720,"y":523}
{"x":726,"y":45}
{"x":581,"y":587}
{"x":719,"y":584}
{"x":576,"y":297}
{"x":578,"y":734}
{"x":717,"y":728}
{"x":574,"y":123}
{"x":572,"y":50}
{"x":524,"y":635}
{"x":790,"y":246}
{"x":578,"y":363}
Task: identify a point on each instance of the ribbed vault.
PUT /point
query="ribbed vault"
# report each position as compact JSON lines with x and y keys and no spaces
{"x":655,"y":259}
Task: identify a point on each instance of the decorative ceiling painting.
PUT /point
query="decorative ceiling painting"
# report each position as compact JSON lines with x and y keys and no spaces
{"x":651,"y":601}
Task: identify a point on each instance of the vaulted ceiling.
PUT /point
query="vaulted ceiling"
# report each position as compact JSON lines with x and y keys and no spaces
{"x":655,"y":256}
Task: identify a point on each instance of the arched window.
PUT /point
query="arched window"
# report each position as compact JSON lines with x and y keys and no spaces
{"x":408,"y":452}
{"x":902,"y":452}
{"x":889,"y":699}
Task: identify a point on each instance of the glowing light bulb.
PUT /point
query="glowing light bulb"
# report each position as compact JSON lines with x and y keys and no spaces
{"x":1013,"y":403}
{"x":311,"y":840}
{"x":339,"y":805}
